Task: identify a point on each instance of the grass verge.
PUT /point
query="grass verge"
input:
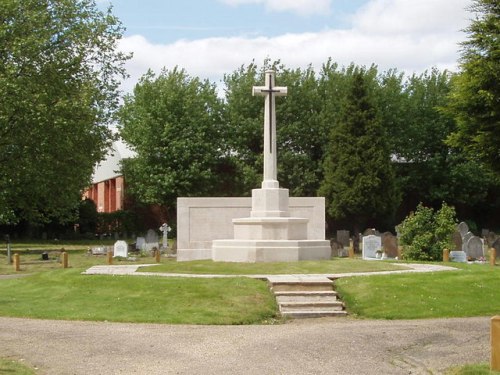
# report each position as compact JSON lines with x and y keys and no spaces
{"x":273,"y":268}
{"x":65,"y":294}
{"x":10,"y":366}
{"x":471,"y":291}
{"x":479,"y":369}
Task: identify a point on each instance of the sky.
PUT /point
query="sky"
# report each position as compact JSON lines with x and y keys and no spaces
{"x":210,"y":38}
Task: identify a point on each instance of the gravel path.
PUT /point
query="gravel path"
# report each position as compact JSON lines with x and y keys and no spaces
{"x":311,"y":346}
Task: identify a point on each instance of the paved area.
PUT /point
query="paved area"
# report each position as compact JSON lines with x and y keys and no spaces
{"x":311,"y":346}
{"x":132,"y":270}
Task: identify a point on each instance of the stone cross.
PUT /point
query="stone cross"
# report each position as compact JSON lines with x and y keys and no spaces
{"x":270,"y":91}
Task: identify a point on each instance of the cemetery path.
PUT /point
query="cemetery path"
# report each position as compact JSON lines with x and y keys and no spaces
{"x":311,"y":346}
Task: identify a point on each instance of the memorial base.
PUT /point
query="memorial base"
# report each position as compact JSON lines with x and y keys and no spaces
{"x":253,"y":251}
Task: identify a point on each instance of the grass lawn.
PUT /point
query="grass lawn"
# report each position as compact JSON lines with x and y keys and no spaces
{"x":339,"y":265}
{"x":481,"y":369}
{"x":65,"y":294}
{"x":10,"y":366}
{"x":471,"y":291}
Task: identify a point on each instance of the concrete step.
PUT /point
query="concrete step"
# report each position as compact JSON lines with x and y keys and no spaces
{"x":306,"y":296}
{"x":313,"y":314}
{"x":302,"y":285}
{"x":312,"y":306}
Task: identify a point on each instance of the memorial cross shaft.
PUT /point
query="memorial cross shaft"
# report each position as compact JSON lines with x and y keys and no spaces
{"x":270,"y":91}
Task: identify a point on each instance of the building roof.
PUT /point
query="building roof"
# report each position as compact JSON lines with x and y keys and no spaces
{"x":110,"y":167}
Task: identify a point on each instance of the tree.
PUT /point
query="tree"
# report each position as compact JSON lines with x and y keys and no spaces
{"x":59,"y":74}
{"x":359,"y":181}
{"x":174,"y":123}
{"x":475,"y":99}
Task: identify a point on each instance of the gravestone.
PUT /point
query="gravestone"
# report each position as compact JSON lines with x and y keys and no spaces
{"x":151,"y":240}
{"x":465,"y":239}
{"x":458,"y":256}
{"x":165,"y":229}
{"x":474,"y":248}
{"x":484,"y":232}
{"x":456,"y":238}
{"x":491,"y":238}
{"x":390,"y":245}
{"x":336,"y":248}
{"x":343,"y":238}
{"x":120,"y":249}
{"x":370,"y":231}
{"x":99,"y":250}
{"x":140,"y":243}
{"x":496,"y":246}
{"x":371,"y":244}
{"x":463,"y":228}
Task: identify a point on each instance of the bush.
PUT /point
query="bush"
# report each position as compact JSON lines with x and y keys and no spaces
{"x":425,"y":233}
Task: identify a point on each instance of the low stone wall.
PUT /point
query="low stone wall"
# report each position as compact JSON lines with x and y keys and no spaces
{"x":202,"y":220}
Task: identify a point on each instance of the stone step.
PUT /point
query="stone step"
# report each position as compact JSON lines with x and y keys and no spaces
{"x":302,"y":285}
{"x":307,"y":299}
{"x":312,"y":306}
{"x":305,"y":295}
{"x":313,"y":314}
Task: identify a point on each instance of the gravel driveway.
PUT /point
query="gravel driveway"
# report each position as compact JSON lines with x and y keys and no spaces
{"x":310,"y":346}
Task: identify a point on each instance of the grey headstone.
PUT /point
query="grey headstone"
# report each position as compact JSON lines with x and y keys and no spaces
{"x":371,"y":244}
{"x":99,"y":250}
{"x":152,"y":240}
{"x":369,"y":231}
{"x":390,"y":245}
{"x":466,"y":237}
{"x":336,"y":248}
{"x":463,"y":228}
{"x":496,"y":246}
{"x":120,"y":249}
{"x":456,"y":238}
{"x":343,"y":237}
{"x":458,"y":256}
{"x":140,"y":243}
{"x":484,"y":232}
{"x":474,"y":248}
{"x":491,"y":238}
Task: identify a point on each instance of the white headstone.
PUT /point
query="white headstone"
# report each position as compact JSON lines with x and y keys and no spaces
{"x":371,"y":244}
{"x":458,"y":256}
{"x":140,"y":243}
{"x":120,"y":249}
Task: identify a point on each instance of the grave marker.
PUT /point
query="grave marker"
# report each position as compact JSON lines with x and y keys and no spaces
{"x":120,"y":249}
{"x":371,"y":244}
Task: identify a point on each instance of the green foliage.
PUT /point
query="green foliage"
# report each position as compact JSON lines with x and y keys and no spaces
{"x":425,"y":233}
{"x":174,"y":123}
{"x":59,"y":72}
{"x":475,"y":99}
{"x":359,"y":183}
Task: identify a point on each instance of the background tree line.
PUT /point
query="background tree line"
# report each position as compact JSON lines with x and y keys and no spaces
{"x":374,"y":143}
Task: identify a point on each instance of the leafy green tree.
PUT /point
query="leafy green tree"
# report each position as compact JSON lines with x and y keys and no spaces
{"x":475,"y":99}
{"x":358,"y":177}
{"x":59,"y":74}
{"x":425,"y":233}
{"x":299,"y":133}
{"x":174,"y":123}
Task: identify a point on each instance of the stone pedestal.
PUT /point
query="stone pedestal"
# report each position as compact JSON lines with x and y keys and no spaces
{"x":270,"y":234}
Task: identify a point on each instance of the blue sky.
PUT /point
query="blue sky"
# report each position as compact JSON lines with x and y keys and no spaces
{"x":209,"y":38}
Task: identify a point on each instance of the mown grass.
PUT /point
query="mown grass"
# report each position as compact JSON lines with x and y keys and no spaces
{"x":476,"y":369}
{"x":10,"y":366}
{"x":65,"y":294}
{"x":471,"y":291}
{"x":339,"y":265}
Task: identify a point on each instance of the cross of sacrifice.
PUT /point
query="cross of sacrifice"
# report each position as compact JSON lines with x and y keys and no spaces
{"x":270,"y":91}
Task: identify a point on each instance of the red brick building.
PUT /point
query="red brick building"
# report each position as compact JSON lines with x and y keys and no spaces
{"x":108,"y":188}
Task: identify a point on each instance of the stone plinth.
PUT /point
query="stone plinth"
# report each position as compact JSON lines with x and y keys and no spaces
{"x":252,"y":251}
{"x":270,"y":228}
{"x":270,"y":203}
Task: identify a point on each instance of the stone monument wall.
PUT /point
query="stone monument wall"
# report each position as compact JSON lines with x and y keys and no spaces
{"x":202,"y":220}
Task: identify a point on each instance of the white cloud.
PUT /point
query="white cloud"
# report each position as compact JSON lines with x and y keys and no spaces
{"x":301,"y":7}
{"x":388,"y":33}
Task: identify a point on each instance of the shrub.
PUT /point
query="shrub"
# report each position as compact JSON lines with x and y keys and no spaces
{"x":425,"y":233}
